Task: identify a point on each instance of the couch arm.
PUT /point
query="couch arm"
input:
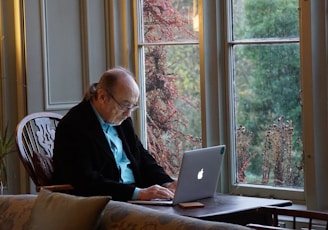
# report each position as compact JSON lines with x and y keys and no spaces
{"x":121,"y":215}
{"x":15,"y":211}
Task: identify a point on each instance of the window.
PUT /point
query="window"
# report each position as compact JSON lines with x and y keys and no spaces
{"x":259,"y":108}
{"x":169,"y":75}
{"x":264,"y":51}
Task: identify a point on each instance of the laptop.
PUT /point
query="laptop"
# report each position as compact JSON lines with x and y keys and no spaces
{"x":198,"y":177}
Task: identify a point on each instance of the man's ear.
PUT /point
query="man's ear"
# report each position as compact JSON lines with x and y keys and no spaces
{"x":102,"y":95}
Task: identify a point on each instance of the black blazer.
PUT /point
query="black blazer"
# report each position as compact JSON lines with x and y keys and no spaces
{"x":83,"y":158}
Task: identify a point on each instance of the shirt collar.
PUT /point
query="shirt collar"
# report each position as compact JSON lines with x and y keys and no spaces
{"x":104,"y":125}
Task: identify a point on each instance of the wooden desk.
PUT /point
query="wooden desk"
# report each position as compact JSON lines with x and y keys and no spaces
{"x":226,"y":208}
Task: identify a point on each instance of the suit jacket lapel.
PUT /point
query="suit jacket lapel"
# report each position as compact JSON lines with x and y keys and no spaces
{"x":95,"y":130}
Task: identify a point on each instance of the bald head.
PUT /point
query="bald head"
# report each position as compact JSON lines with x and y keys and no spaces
{"x":116,"y":95}
{"x":116,"y":78}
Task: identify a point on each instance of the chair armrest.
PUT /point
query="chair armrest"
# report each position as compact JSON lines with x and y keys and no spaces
{"x":54,"y":188}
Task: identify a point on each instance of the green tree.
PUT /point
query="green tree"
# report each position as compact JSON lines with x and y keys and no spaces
{"x":267,"y":76}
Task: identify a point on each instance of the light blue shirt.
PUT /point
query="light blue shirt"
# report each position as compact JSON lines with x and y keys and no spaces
{"x":122,"y":161}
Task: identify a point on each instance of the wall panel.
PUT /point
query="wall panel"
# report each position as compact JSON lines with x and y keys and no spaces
{"x":62,"y":53}
{"x":65,"y":47}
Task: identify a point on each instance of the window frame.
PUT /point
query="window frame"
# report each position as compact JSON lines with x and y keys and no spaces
{"x":249,"y":189}
{"x":217,"y":124}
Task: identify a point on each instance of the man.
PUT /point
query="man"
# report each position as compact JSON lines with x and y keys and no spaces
{"x":97,"y":150}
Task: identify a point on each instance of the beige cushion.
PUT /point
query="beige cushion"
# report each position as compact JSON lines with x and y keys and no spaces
{"x":53,"y":211}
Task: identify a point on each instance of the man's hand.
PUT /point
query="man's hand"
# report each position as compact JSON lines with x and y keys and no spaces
{"x":171,"y":186}
{"x":155,"y":192}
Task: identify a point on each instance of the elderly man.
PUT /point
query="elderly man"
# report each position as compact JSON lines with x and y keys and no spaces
{"x":97,"y":150}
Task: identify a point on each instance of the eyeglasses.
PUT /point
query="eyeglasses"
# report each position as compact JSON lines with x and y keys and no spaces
{"x":123,"y":108}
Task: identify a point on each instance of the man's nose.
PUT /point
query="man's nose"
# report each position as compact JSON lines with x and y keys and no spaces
{"x":128,"y":113}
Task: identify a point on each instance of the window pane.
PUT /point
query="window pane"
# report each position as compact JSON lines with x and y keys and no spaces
{"x":265,"y":19}
{"x":172,"y":79}
{"x":170,"y":20}
{"x":173,"y":102}
{"x":268,"y":114}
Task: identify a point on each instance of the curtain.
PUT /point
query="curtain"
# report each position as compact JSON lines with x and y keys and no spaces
{"x":120,"y":33}
{"x":316,"y":150}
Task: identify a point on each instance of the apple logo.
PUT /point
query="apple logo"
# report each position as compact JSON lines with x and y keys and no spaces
{"x":200,"y":174}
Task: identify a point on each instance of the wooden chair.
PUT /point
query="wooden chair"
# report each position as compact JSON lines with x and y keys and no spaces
{"x":306,"y":217}
{"x":35,"y":136}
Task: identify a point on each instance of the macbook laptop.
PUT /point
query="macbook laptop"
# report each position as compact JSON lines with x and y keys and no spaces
{"x":198,"y":177}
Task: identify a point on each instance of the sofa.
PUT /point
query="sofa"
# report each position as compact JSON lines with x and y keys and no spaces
{"x":49,"y":210}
